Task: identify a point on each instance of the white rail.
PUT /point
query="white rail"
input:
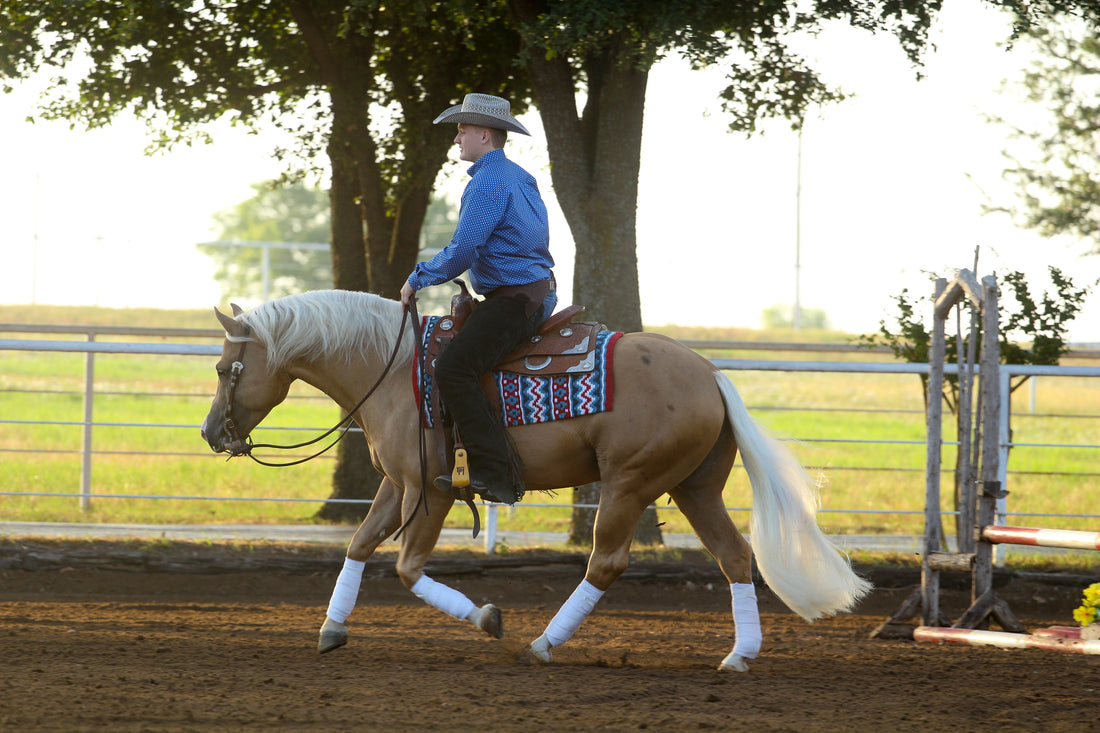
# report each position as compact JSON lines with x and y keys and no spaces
{"x":92,"y":347}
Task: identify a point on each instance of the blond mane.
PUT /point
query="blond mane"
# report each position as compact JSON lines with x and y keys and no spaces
{"x":326,"y":324}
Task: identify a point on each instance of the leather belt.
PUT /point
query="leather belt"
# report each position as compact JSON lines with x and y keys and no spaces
{"x":535,"y":292}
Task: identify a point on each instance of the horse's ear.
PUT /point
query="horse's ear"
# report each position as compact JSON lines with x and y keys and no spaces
{"x":231,"y":326}
{"x":237,"y":310}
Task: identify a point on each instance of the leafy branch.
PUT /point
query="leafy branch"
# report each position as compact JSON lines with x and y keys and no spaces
{"x":1040,"y":325}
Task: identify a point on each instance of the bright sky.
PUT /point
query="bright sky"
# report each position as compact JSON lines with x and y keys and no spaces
{"x":892,"y":186}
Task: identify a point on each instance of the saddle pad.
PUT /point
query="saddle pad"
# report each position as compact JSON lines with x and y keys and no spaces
{"x":525,"y":399}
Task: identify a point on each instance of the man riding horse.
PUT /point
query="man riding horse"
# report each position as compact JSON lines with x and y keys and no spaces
{"x":502,"y":238}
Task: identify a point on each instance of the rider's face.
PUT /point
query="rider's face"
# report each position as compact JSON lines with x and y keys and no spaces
{"x":472,"y":141}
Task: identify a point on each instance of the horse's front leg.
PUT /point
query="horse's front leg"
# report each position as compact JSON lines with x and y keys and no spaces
{"x":381,"y":521}
{"x":417,"y":544}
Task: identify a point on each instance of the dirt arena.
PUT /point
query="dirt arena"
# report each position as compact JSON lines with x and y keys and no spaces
{"x":195,"y":637}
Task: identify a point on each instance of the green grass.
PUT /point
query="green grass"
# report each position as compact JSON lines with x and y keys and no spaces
{"x":820,"y":408}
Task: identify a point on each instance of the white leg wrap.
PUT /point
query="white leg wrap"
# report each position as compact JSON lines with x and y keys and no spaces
{"x":571,"y":615}
{"x":346,"y":591}
{"x":540,"y":647}
{"x":746,"y":621}
{"x":443,"y":597}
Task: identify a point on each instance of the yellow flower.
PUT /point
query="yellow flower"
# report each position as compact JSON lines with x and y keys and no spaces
{"x":1089,"y":610}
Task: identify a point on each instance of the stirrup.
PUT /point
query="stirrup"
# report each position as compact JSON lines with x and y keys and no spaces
{"x":460,"y":493}
{"x":465,"y":493}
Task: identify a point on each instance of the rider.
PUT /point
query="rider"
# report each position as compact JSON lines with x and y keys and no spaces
{"x":502,"y":238}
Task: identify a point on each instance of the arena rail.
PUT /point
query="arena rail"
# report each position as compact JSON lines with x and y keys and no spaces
{"x":91,"y":346}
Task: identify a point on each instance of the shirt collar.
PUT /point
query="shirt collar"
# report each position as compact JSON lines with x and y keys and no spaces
{"x":485,"y":160}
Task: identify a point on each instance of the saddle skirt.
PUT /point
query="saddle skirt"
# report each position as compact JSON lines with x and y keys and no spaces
{"x":563,"y":371}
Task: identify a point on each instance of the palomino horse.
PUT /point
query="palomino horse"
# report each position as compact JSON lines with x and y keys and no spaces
{"x":676,"y":426}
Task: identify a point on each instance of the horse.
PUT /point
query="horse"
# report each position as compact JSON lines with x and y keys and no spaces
{"x":676,"y":425}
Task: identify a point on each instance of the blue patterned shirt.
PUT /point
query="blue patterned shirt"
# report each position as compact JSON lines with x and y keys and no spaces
{"x":502,"y":236}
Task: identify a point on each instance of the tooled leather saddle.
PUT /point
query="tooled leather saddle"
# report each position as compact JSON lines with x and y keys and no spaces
{"x":561,"y":346}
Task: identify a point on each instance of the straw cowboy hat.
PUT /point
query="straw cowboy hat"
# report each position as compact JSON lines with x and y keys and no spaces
{"x":483,"y":110}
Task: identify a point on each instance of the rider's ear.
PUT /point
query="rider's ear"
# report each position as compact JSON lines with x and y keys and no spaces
{"x":232,"y":327}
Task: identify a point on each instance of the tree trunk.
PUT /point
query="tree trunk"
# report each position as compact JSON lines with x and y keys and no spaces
{"x":583,"y":520}
{"x":354,"y":476}
{"x":382,"y":184}
{"x":602,"y":217}
{"x":595,"y":160}
{"x":646,"y":532}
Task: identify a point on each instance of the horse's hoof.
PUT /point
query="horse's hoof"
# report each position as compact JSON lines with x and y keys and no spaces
{"x":539,"y":651}
{"x":735,"y":663}
{"x":333,"y":635}
{"x":489,"y":620}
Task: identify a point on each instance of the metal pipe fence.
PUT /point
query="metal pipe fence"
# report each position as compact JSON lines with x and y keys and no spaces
{"x":90,"y":347}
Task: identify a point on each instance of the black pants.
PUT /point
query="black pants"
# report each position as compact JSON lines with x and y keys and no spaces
{"x":497,"y":326}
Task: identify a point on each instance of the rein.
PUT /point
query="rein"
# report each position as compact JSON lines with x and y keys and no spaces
{"x":243,"y":446}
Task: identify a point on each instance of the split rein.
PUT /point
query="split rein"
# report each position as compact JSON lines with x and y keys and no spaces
{"x":238,"y":446}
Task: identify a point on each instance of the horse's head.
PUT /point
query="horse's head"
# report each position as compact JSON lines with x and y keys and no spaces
{"x":247,"y":388}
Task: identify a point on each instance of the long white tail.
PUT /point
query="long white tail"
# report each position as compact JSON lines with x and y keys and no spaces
{"x":797,"y":560}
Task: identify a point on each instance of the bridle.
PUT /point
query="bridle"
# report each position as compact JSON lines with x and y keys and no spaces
{"x":238,"y":446}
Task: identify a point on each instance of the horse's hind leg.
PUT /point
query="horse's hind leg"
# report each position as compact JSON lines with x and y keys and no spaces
{"x":616,"y":517}
{"x":699,"y":498}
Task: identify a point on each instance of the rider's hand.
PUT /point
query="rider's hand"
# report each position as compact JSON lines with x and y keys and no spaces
{"x":407,"y":293}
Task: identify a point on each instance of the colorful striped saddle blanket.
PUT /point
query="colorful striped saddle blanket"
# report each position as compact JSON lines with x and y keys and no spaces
{"x":526,"y":399}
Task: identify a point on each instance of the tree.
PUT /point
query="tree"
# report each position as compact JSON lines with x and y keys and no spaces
{"x":1060,"y":191}
{"x":781,"y":316}
{"x":358,"y":81}
{"x":286,"y":213}
{"x":276,"y":214}
{"x":600,"y":53}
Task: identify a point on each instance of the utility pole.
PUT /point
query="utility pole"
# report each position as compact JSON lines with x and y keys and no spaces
{"x":796,"y":316}
{"x":34,"y":254}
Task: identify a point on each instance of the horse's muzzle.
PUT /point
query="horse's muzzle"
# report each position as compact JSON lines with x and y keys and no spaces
{"x":236,"y":448}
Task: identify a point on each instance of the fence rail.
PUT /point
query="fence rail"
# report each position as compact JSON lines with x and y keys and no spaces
{"x":91,"y":347}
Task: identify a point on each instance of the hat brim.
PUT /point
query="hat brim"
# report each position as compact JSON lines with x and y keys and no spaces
{"x":455,"y":115}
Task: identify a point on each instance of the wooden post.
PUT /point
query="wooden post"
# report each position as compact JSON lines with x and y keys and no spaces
{"x":967,"y":456}
{"x":991,"y":408}
{"x":930,"y":579}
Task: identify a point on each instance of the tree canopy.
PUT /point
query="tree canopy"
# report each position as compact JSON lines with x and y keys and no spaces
{"x":1059,"y":190}
{"x":358,"y":82}
{"x":588,"y":62}
{"x":277,"y":216}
